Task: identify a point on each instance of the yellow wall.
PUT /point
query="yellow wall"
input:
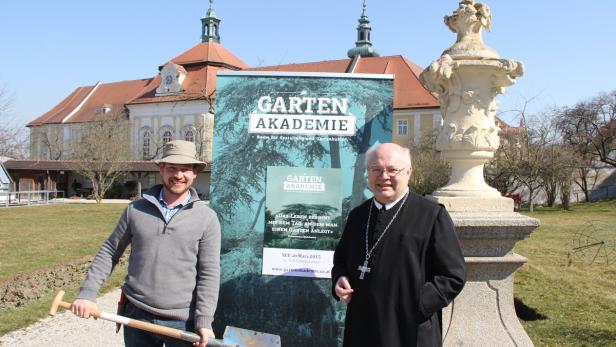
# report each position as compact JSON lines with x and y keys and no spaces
{"x":403,"y":140}
{"x":425,"y":123}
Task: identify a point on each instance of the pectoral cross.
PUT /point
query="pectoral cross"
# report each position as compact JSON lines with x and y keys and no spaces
{"x":363,"y":268}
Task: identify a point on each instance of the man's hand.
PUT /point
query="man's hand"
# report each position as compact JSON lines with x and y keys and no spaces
{"x":343,"y":289}
{"x":83,"y":307}
{"x":205,"y":334}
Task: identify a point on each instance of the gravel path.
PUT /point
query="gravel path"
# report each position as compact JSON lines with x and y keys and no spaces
{"x":66,"y":329}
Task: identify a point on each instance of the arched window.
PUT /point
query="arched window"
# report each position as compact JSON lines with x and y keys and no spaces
{"x":189,"y":135}
{"x":167,"y":136}
{"x":147,"y":137}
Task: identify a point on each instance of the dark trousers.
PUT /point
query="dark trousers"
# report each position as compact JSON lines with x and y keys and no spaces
{"x":141,"y":338}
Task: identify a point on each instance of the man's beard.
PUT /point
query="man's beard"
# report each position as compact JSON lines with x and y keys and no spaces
{"x":179,"y":190}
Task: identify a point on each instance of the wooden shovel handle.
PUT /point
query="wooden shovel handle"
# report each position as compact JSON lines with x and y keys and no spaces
{"x":137,"y":324}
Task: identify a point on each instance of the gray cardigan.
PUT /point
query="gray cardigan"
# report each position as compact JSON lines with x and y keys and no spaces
{"x":173,"y":268}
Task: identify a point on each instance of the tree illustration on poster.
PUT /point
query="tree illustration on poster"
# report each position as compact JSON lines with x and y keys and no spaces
{"x":302,"y":121}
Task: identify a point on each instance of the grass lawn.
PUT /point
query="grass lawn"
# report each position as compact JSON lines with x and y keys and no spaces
{"x":575,"y":304}
{"x":577,"y":300}
{"x":38,"y":239}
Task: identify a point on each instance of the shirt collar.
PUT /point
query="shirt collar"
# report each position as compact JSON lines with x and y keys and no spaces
{"x":391,"y":204}
{"x":163,"y":203}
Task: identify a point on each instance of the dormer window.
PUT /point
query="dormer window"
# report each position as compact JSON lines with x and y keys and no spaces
{"x":171,"y":78}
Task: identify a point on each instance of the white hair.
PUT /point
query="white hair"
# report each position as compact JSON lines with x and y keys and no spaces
{"x":405,"y":154}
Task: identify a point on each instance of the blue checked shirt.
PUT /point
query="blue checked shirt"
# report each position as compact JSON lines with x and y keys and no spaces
{"x":169,"y":212}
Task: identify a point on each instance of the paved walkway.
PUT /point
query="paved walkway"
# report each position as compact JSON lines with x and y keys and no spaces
{"x":89,"y":201}
{"x":66,"y":329}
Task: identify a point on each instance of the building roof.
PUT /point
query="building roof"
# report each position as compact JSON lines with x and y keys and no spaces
{"x":201,"y":63}
{"x":210,"y":53}
{"x":199,"y":84}
{"x":85,"y":103}
{"x":68,"y":165}
{"x":506,"y":128}
{"x":409,"y":93}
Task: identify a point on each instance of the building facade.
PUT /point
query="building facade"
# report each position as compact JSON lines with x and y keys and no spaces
{"x":178,"y":102}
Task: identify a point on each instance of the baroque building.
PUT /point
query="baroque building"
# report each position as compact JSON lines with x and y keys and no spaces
{"x":177,"y":103}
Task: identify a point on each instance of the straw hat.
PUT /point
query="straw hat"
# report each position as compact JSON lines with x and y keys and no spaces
{"x":180,"y":152}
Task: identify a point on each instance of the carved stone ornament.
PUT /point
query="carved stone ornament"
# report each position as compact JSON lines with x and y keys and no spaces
{"x":467,"y":78}
{"x":467,"y":21}
{"x":171,"y":78}
{"x":467,"y":92}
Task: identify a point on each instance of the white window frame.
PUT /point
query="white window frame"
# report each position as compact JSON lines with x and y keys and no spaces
{"x":403,"y":124}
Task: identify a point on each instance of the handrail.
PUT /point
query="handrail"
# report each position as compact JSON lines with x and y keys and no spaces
{"x":29,"y":197}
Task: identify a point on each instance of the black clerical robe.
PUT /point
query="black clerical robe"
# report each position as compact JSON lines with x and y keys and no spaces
{"x":416,"y":270}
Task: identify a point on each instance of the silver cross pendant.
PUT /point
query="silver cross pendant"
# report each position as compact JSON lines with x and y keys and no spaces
{"x":363,"y":268}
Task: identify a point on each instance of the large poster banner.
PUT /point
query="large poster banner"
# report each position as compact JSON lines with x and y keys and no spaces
{"x":288,"y":166}
{"x":302,"y":220}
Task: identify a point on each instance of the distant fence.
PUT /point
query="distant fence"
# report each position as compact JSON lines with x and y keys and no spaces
{"x":29,"y":197}
{"x":603,"y":192}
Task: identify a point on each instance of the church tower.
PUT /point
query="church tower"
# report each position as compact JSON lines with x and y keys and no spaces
{"x":363,"y":46}
{"x":210,"y":25}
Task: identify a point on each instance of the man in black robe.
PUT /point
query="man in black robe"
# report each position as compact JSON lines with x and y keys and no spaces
{"x":398,"y":263}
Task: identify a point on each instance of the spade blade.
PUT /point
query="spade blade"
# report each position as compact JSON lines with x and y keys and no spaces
{"x":249,"y":338}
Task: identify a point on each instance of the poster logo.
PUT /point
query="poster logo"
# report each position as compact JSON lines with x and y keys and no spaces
{"x":302,"y":115}
{"x":304,"y":183}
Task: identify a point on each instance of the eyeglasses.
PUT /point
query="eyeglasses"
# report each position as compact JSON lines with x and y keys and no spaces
{"x":391,"y":172}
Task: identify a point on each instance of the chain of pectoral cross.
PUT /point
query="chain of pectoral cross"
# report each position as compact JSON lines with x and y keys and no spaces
{"x":364,"y":268}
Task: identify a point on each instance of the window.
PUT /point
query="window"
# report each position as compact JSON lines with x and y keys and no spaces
{"x":403,"y":127}
{"x":146,"y":144}
{"x":189,"y":135}
{"x":167,"y":136}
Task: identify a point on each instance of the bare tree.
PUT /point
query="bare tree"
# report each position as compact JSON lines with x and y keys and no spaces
{"x":12,"y":138}
{"x":529,"y":160}
{"x":590,"y":126}
{"x":501,"y":171}
{"x":100,"y":151}
{"x":585,"y":172}
{"x":569,"y":163}
{"x":558,"y":165}
{"x":430,"y":171}
{"x":52,"y":140}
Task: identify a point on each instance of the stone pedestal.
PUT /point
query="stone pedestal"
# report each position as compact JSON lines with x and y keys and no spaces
{"x":467,"y":77}
{"x":483,"y":314}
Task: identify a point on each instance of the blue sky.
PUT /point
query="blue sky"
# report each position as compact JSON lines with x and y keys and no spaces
{"x":51,"y":47}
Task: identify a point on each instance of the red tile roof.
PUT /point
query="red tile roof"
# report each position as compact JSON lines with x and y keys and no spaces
{"x":64,"y":108}
{"x":201,"y":63}
{"x":200,"y":83}
{"x":212,"y":53}
{"x":408,"y":90}
{"x":85,"y":103}
{"x":504,"y":127}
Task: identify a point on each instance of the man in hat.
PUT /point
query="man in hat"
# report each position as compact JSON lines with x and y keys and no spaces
{"x":398,"y":262}
{"x":174,"y":265}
